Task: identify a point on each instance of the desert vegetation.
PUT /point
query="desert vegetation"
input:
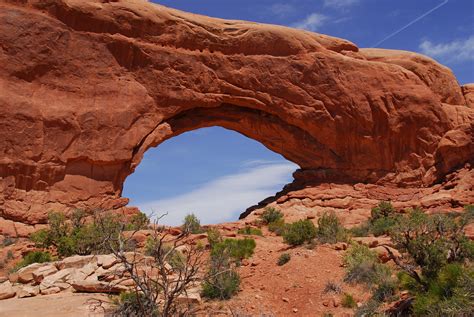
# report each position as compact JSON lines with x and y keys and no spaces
{"x":434,"y":271}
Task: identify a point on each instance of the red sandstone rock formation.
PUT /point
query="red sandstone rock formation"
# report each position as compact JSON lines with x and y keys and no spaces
{"x":86,"y":87}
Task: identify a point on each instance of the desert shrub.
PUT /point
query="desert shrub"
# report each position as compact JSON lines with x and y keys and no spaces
{"x":222,"y":280}
{"x":223,"y":285}
{"x":370,"y":308}
{"x":348,"y":301}
{"x":360,"y":231}
{"x":156,"y":248}
{"x":363,"y":266}
{"x":270,"y":215}
{"x":192,"y":224}
{"x":138,"y":221}
{"x":132,"y":304}
{"x":385,"y":290}
{"x":278,"y":227}
{"x":247,"y":230}
{"x":450,"y":294}
{"x":213,"y":236}
{"x":77,"y":236}
{"x":332,"y":287}
{"x":432,"y":241}
{"x":236,"y":249}
{"x":33,"y":257}
{"x":299,"y":232}
{"x":283,"y":259}
{"x":330,"y":229}
{"x":435,"y":267}
{"x":382,"y":219}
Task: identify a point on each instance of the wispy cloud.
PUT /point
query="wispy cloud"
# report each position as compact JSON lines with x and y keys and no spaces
{"x":340,"y":4}
{"x":224,"y":198}
{"x":454,"y":51}
{"x":312,"y":22}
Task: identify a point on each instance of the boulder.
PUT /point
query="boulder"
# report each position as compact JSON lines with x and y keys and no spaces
{"x":40,"y":273}
{"x":76,"y":261}
{"x":25,"y":275}
{"x":51,"y":280}
{"x":27,"y":291}
{"x":106,"y":261}
{"x":191,"y":297}
{"x":89,"y":286}
{"x":7,"y":290}
{"x":51,"y":290}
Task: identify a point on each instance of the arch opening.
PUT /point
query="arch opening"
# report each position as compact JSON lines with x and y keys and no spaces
{"x":213,"y":172}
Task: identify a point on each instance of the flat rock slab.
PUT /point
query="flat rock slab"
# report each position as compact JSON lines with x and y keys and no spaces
{"x":57,"y":305}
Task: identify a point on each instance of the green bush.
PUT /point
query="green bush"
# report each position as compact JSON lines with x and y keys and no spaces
{"x":34,"y":257}
{"x":439,"y":255}
{"x":213,"y":236}
{"x":435,"y":267}
{"x":223,"y":286}
{"x":222,"y":281}
{"x":363,"y":266}
{"x":330,"y":229}
{"x":173,"y":257}
{"x":348,"y":301}
{"x":191,"y":224}
{"x":360,"y":231}
{"x":77,"y":236}
{"x":270,"y":215}
{"x":134,"y":304}
{"x":250,"y":231}
{"x":237,"y":249}
{"x":450,"y":294}
{"x":383,"y":218}
{"x":371,"y":308}
{"x":278,"y":227}
{"x":283,"y":259}
{"x":299,"y":232}
{"x":138,"y":221}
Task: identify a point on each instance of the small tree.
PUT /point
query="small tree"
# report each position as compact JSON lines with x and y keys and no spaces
{"x":191,"y":224}
{"x":436,"y":263}
{"x":159,"y":280}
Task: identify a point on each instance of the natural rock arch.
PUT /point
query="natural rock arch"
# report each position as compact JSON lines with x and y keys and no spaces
{"x":86,"y":87}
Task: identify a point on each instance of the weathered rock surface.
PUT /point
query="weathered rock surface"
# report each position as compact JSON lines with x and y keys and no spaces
{"x":7,"y":290}
{"x":353,"y":202}
{"x":86,"y":87}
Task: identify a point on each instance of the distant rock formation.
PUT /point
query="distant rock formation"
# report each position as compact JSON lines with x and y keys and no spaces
{"x":86,"y":87}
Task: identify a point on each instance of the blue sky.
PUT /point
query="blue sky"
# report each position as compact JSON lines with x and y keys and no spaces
{"x":217,"y":173}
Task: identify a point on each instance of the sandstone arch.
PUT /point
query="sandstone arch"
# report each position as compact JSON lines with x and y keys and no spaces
{"x":86,"y":87}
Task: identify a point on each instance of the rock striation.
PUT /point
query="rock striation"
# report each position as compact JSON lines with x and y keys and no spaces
{"x":87,"y":86}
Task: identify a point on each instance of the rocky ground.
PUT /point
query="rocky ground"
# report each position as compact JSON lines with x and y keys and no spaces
{"x":70,"y":286}
{"x":296,"y":288}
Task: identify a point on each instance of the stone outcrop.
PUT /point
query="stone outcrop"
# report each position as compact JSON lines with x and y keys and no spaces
{"x":86,"y":87}
{"x":85,"y":274}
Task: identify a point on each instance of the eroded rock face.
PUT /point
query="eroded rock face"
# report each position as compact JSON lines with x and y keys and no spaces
{"x":86,"y":87}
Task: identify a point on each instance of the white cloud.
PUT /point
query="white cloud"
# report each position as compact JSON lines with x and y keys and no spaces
{"x":455,"y":51}
{"x":340,"y":4}
{"x":224,"y":198}
{"x":312,"y":22}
